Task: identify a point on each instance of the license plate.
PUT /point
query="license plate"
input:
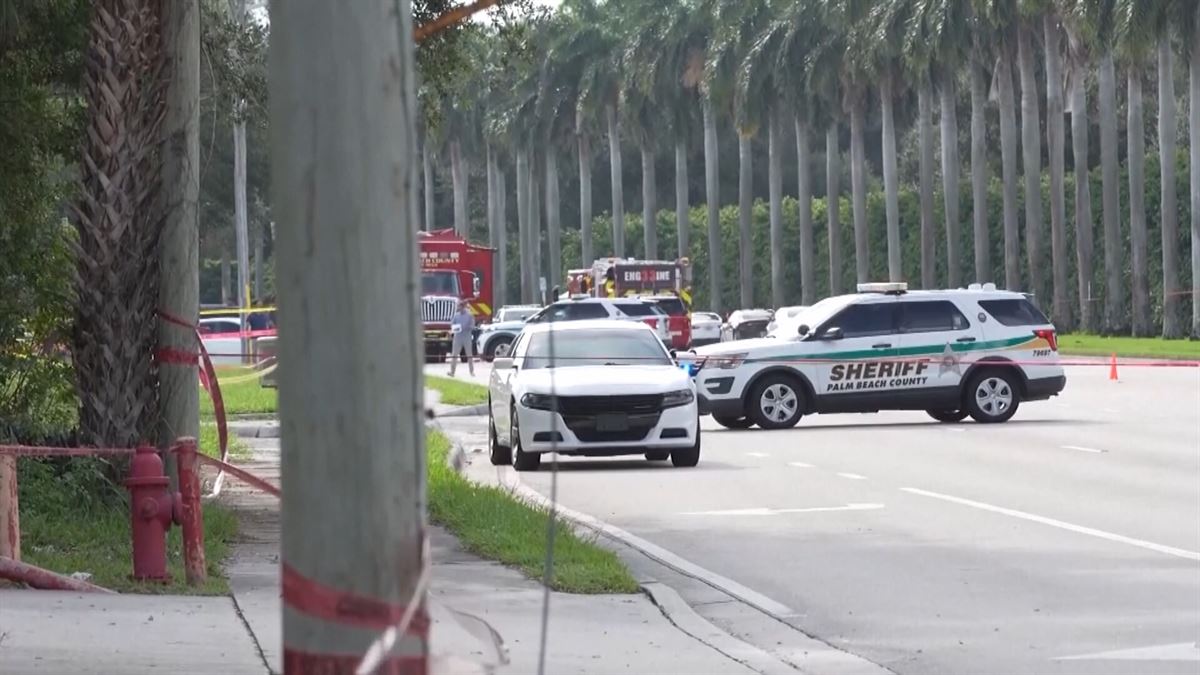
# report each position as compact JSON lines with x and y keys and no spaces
{"x":612,"y":422}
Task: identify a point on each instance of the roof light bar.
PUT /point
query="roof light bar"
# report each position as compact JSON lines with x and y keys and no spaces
{"x":890,"y":287}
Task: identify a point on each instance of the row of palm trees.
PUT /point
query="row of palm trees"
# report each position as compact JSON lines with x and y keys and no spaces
{"x":655,"y":74}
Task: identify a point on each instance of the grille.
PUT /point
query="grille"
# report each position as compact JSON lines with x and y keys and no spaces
{"x":438,"y":310}
{"x":588,"y":435}
{"x":591,"y":405}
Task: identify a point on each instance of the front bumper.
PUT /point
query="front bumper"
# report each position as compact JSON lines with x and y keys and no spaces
{"x":679,"y":424}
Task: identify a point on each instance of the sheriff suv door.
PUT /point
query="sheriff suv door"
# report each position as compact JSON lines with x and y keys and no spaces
{"x":937,"y":334}
{"x":853,"y":351}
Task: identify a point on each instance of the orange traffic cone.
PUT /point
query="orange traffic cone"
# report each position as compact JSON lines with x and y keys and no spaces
{"x":1112,"y":370}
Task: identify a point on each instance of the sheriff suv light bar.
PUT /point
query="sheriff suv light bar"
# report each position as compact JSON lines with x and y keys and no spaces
{"x":890,"y":288}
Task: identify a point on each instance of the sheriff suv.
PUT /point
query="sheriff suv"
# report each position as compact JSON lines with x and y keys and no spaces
{"x":975,"y":352}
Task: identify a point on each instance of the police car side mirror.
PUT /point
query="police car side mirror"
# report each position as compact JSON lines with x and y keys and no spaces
{"x":674,"y":355}
{"x":502,"y":363}
{"x":803,"y":330}
{"x":833,"y":333}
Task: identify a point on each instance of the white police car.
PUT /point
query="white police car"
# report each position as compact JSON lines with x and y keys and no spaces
{"x":975,"y":351}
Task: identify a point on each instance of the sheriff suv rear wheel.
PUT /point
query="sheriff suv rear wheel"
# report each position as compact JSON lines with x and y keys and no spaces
{"x":733,"y":422}
{"x":775,"y":402}
{"x":948,"y":415}
{"x":992,"y":396}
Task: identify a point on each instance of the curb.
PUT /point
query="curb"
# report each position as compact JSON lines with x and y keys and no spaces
{"x":682,"y":616}
{"x":255,"y":430}
{"x":462,"y":411}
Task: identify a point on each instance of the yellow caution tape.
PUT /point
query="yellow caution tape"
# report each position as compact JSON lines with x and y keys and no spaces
{"x":236,"y":310}
{"x":248,"y":377}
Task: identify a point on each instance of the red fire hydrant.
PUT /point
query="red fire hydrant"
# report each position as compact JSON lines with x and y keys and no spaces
{"x":153,"y":509}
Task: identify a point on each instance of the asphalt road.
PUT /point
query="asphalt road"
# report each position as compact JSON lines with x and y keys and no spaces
{"x":1064,"y":541}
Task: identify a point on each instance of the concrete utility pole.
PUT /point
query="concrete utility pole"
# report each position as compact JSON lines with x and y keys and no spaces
{"x":179,"y":290}
{"x":344,"y":166}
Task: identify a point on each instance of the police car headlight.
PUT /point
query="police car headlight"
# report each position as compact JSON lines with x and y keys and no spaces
{"x":728,"y":361}
{"x":538,"y":401}
{"x":674,"y":399}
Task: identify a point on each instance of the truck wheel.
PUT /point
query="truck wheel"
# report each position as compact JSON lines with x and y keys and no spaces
{"x":522,"y":461}
{"x":498,"y":454}
{"x":687,"y":457}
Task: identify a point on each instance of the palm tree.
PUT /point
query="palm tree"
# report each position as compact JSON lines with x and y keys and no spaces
{"x":979,"y":170}
{"x":1055,"y":144}
{"x":998,"y":19}
{"x":1031,"y":149}
{"x":1135,"y":45}
{"x":934,"y":47}
{"x":759,"y":95}
{"x":857,"y":72}
{"x":889,"y":21}
{"x":822,"y":69}
{"x":1163,"y":18}
{"x":1190,"y":31}
{"x":737,"y":25}
{"x":1081,"y":28}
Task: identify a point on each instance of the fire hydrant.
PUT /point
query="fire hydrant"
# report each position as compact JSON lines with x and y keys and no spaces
{"x":153,"y":509}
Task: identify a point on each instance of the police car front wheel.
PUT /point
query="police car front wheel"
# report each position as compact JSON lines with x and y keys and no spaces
{"x":992,"y":396}
{"x":775,"y":402}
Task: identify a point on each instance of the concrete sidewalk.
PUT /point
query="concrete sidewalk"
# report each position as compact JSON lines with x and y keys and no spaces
{"x":596,"y":634}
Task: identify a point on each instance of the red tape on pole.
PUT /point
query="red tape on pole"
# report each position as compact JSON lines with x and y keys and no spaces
{"x":329,"y":604}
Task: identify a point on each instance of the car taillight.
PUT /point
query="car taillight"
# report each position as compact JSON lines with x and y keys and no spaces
{"x":1049,"y":335}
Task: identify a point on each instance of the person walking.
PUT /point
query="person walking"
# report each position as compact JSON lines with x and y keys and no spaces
{"x":462,"y":329}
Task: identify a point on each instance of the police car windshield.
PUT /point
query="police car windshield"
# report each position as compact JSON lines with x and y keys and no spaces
{"x":595,"y":348}
{"x":439,"y":283}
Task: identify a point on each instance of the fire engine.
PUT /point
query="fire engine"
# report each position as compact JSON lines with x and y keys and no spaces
{"x":452,"y":269}
{"x":669,"y":282}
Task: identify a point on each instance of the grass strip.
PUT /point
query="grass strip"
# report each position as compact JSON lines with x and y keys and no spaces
{"x":457,"y":392}
{"x":1158,"y":348}
{"x":492,"y":523}
{"x":63,"y":533}
{"x":241,"y":398}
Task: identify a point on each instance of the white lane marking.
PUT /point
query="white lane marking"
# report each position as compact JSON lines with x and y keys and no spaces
{"x":1079,"y":529}
{"x":852,"y":476}
{"x":1180,"y":651}
{"x":773,"y":512}
{"x":800,"y":465}
{"x":1083,"y":449}
{"x":956,"y":430}
{"x":757,"y":454}
{"x":1111,"y":411}
{"x":656,"y":552}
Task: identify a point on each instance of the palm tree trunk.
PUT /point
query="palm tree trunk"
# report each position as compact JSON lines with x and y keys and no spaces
{"x":649,"y":203}
{"x":890,"y":187}
{"x":458,"y":177}
{"x":1168,"y":207}
{"x":804,"y":206}
{"x":858,"y":189}
{"x":427,"y":170}
{"x":683,"y":227}
{"x":1194,"y":165}
{"x":538,"y":271}
{"x":523,"y":247}
{"x":618,"y":196}
{"x":1008,"y":172}
{"x":712,"y":197}
{"x":1083,"y":198}
{"x":979,"y":207}
{"x":1031,"y":148}
{"x":950,"y":169}
{"x":1110,"y":198}
{"x":501,"y":284}
{"x":775,"y":197}
{"x":1136,"y":157}
{"x":745,"y":211}
{"x":925,"y":154}
{"x":1055,"y":144}
{"x":585,"y":199}
{"x":832,"y":207}
{"x":553,"y":219}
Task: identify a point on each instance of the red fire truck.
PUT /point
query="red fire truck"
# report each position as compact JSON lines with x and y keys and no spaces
{"x":452,"y":269}
{"x":669,"y":283}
